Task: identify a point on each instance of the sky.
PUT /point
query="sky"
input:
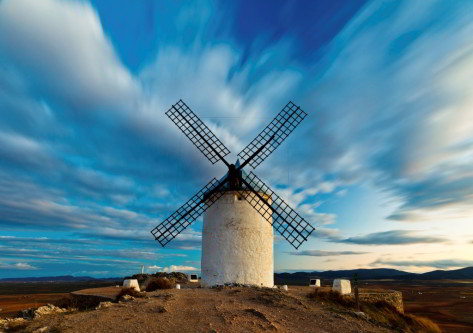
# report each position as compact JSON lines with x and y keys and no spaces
{"x":382,"y":165}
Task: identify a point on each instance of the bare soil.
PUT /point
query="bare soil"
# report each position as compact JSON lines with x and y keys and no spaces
{"x":211,"y":310}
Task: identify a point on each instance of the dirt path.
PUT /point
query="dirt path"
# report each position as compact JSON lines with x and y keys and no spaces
{"x":210,"y":310}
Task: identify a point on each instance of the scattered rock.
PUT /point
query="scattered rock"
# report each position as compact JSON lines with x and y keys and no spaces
{"x":26,"y":314}
{"x":11,"y":323}
{"x":272,"y":327}
{"x":104,"y":305}
{"x":47,"y":310}
{"x":127,"y":298}
{"x":41,"y":330}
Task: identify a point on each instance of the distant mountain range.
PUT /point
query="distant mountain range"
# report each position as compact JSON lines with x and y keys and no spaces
{"x":302,"y":277}
{"x":373,"y":274}
{"x":65,"y":278}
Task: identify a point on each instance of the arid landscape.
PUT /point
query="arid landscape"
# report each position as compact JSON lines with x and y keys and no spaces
{"x":234,"y":309}
{"x":447,"y":303}
{"x":15,"y":296}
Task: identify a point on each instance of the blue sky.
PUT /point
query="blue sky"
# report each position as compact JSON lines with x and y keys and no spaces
{"x":89,"y":163}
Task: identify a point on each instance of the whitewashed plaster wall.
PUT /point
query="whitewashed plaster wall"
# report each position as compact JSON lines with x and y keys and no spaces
{"x":237,"y":244}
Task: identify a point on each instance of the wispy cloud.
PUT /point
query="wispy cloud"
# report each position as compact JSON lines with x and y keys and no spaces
{"x":86,"y":150}
{"x":442,"y":264}
{"x":321,"y":253}
{"x":179,"y":268}
{"x":393,"y":237}
{"x":17,"y":266}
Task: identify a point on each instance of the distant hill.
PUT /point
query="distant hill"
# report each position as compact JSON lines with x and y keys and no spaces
{"x":457,"y":274}
{"x":65,"y":278}
{"x":301,"y":278}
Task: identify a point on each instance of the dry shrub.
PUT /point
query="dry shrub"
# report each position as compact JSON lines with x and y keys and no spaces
{"x":130,"y":292}
{"x":385,"y":313}
{"x":160,"y":283}
{"x":78,"y":302}
{"x":380,"y":312}
{"x":332,"y":297}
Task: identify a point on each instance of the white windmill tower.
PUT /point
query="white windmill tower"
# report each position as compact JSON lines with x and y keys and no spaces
{"x":237,"y":240}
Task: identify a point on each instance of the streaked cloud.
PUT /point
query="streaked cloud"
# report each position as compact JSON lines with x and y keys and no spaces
{"x":17,"y":266}
{"x":88,"y":158}
{"x":393,"y":237}
{"x":179,"y":268}
{"x":440,"y":264}
{"x":321,"y":253}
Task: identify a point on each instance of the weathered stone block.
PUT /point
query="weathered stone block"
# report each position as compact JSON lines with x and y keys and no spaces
{"x":342,"y":286}
{"x":131,"y":283}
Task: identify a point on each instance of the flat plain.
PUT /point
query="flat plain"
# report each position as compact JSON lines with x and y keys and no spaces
{"x":16,"y":296}
{"x":449,"y":303}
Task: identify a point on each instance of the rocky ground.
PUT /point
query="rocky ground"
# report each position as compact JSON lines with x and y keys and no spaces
{"x":234,"y":309}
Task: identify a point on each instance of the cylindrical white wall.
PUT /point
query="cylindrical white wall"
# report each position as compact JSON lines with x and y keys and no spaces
{"x":237,"y":244}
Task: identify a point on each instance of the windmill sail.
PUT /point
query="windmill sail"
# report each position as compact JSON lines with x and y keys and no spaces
{"x":277,"y":131}
{"x":200,"y":135}
{"x":188,"y":213}
{"x":285,"y":220}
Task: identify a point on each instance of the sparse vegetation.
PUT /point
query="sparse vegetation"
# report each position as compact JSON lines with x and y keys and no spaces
{"x":130,"y":292}
{"x":75,"y":302}
{"x":160,"y":283}
{"x":143,"y":279}
{"x":379,"y":312}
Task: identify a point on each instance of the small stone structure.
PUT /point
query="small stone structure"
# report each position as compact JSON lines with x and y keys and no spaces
{"x":131,"y":283}
{"x":342,"y":286}
{"x":314,"y":283}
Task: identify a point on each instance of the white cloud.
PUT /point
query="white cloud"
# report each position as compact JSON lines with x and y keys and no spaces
{"x":342,"y":193}
{"x":402,"y":114}
{"x":63,"y":44}
{"x":17,"y":266}
{"x":179,"y":268}
{"x":154,"y":268}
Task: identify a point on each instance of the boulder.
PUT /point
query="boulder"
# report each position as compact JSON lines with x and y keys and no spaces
{"x":104,"y":305}
{"x":342,"y":286}
{"x":11,"y":323}
{"x":127,"y":298}
{"x":47,"y":310}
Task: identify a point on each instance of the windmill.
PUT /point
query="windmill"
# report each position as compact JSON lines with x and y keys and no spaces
{"x":237,"y":241}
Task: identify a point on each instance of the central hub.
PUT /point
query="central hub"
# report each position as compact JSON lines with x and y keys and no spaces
{"x":234,"y":175}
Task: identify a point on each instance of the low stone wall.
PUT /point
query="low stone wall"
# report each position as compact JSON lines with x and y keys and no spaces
{"x":392,"y":297}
